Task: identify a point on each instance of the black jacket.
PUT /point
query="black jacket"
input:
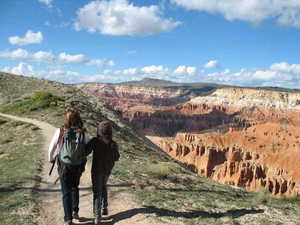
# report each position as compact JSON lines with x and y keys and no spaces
{"x":104,"y":155}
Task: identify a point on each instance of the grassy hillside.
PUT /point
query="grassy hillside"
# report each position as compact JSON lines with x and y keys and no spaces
{"x":20,"y":157}
{"x":162,"y":187}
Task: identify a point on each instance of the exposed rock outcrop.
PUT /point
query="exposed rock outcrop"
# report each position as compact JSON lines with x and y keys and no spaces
{"x":252,"y":97}
{"x":240,"y":136}
{"x":126,"y":96}
{"x":252,"y":158}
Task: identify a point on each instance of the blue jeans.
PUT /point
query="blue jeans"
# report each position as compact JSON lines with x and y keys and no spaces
{"x":69,"y":180}
{"x":99,"y":193}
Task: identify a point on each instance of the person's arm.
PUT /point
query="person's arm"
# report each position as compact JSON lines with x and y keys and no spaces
{"x":53,"y":145}
{"x":116,"y":151}
{"x":90,"y":146}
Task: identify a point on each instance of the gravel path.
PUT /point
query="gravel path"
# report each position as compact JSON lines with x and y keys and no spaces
{"x":122,"y":210}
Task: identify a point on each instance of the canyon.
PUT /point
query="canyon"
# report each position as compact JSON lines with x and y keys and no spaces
{"x":247,"y":137}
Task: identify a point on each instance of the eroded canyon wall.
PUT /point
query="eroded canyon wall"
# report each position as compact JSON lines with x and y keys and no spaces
{"x":240,"y":136}
{"x":264,"y":155}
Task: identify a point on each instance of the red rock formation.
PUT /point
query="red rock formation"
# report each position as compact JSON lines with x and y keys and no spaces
{"x":244,"y":137}
{"x":260,"y":156}
{"x":125,"y":96}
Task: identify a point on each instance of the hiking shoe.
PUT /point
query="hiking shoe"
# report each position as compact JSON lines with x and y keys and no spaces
{"x":105,"y":211}
{"x":97,"y":220}
{"x":69,"y":222}
{"x":75,"y":216}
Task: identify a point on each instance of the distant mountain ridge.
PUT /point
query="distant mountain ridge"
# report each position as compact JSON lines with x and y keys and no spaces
{"x":154,"y":82}
{"x":150,"y":82}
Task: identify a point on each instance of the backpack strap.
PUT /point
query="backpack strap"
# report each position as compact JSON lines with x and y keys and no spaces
{"x":58,"y":144}
{"x":60,"y":138}
{"x":83,"y":140}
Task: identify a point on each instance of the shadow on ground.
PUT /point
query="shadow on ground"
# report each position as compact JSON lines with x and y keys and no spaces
{"x":161,"y":212}
{"x":35,"y":189}
{"x":21,"y":186}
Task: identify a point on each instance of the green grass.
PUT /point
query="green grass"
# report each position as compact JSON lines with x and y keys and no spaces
{"x":19,"y":162}
{"x":42,"y":105}
{"x":40,"y":100}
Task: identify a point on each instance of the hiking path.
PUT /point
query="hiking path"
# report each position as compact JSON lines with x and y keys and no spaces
{"x":122,"y":210}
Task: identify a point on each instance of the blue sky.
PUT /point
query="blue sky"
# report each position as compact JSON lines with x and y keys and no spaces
{"x":239,"y":42}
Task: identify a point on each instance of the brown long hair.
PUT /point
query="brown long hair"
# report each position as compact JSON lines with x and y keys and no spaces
{"x":73,"y":119}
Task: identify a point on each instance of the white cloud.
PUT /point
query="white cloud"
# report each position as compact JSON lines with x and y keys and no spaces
{"x":25,"y":69}
{"x":22,"y":54}
{"x":62,"y":58}
{"x":21,"y":69}
{"x":47,"y":2}
{"x":102,"y":78}
{"x":286,"y":68}
{"x":57,"y":74}
{"x":131,"y":71}
{"x":101,"y":62}
{"x":286,"y":12}
{"x":42,"y":56}
{"x":30,"y":38}
{"x":63,"y":73}
{"x":18,"y":54}
{"x":278,"y":74}
{"x":154,"y":69}
{"x":181,"y":73}
{"x":185,"y":70}
{"x":66,"y":58}
{"x":119,"y":17}
{"x":179,"y":69}
{"x":212,"y":64}
{"x":227,"y":71}
{"x":191,"y":70}
{"x":264,"y":75}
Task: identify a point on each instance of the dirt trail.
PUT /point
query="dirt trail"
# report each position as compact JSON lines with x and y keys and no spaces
{"x":122,"y":210}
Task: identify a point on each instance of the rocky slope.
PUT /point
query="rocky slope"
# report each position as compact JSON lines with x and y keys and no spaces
{"x":241,"y":136}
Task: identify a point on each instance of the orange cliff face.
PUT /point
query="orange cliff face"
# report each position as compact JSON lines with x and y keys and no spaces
{"x":244,"y":137}
{"x":260,"y":156}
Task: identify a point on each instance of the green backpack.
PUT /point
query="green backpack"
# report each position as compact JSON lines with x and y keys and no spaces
{"x":72,"y":151}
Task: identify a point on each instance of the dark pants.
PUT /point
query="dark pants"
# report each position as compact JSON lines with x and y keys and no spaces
{"x":69,"y":180}
{"x":99,"y":193}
